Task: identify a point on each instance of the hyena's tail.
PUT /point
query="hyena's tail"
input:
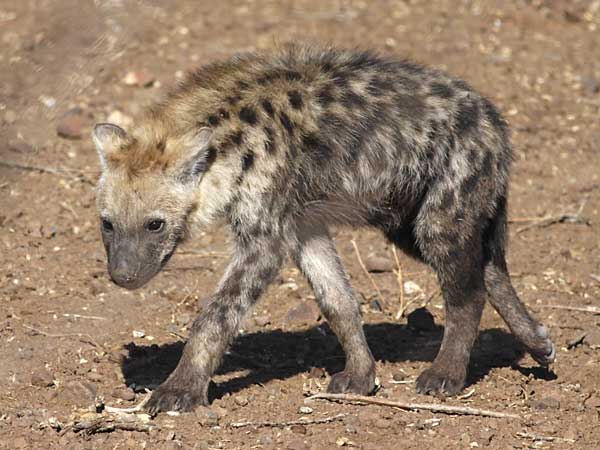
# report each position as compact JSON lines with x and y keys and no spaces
{"x":502,"y":295}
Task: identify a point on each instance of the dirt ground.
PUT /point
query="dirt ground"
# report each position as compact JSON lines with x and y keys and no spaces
{"x":70,"y":338}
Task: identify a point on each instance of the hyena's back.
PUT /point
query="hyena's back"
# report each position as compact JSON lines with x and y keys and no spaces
{"x":348,"y":136}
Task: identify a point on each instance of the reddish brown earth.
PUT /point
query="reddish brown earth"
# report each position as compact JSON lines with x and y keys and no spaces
{"x":66,"y":332}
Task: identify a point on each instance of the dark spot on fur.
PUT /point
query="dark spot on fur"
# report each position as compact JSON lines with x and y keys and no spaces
{"x":270,"y":141}
{"x":268,"y":107}
{"x":233,"y":99}
{"x":487,"y":165}
{"x":472,"y":156}
{"x":410,"y":106}
{"x":467,"y":117}
{"x":469,"y":184}
{"x":242,"y":85}
{"x":286,"y":122}
{"x":162,"y":144}
{"x":292,"y":75}
{"x":295,"y":99}
{"x":247,"y":161}
{"x":315,"y":147}
{"x":351,"y":99}
{"x":223,"y":114}
{"x":441,"y":90}
{"x":248,"y":115}
{"x":325,"y":96}
{"x":234,"y":138}
{"x":462,"y":85}
{"x":447,"y":200}
{"x":213,"y":120}
{"x":340,"y":79}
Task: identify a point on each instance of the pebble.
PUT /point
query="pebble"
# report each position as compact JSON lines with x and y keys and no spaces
{"x":299,"y":429}
{"x":306,"y":312}
{"x":410,"y":288}
{"x":71,"y":125}
{"x":375,"y":306}
{"x":42,"y":378}
{"x":118,"y":118}
{"x":486,"y":435}
{"x":593,"y":402}
{"x":382,"y":423}
{"x":95,"y":376}
{"x":206,"y":416}
{"x":379,"y":264}
{"x":398,"y":376}
{"x":316,"y":372}
{"x":262,"y":320}
{"x":138,"y":78}
{"x":138,"y":333}
{"x":305,"y":410}
{"x":126,"y":394}
{"x":241,"y":400}
{"x":545,"y":403}
{"x":590,"y":84}
{"x":421,"y":320}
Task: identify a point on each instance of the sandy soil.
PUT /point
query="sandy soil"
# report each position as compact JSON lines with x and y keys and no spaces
{"x":70,"y":338}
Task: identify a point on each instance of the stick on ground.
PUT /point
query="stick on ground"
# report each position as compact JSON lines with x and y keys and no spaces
{"x":288,"y":423}
{"x":586,"y":309}
{"x":446,"y":409}
{"x":364,"y":268}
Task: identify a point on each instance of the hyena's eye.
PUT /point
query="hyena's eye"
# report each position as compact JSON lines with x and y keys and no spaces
{"x":155,"y":225}
{"x":107,"y":225}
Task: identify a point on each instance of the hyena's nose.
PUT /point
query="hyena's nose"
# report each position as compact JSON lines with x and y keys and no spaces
{"x":123,"y":274}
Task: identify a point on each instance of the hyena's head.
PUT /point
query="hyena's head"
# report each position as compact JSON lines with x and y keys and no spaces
{"x":147,"y":195}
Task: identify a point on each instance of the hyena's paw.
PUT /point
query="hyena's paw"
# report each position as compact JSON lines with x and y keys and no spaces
{"x":347,"y":382}
{"x":434,"y":381}
{"x":541,"y":348}
{"x":170,"y":397}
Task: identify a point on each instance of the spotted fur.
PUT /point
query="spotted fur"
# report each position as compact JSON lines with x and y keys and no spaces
{"x":283,"y":145}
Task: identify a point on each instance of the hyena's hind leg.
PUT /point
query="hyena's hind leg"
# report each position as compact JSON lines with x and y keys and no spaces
{"x":457,"y":260}
{"x":315,"y":254}
{"x":503,"y":297}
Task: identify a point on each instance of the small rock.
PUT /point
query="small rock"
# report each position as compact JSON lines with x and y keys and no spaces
{"x":138,"y":333}
{"x":297,"y":444}
{"x":138,"y":78}
{"x":220,"y":411}
{"x":421,"y":320}
{"x":120,"y":119}
{"x":316,"y":372}
{"x":126,"y":394}
{"x":375,"y":306}
{"x":20,"y":146}
{"x":545,"y":403}
{"x":299,"y":429}
{"x":411,"y":288}
{"x":70,"y":126}
{"x":206,"y":416}
{"x":305,"y":410}
{"x":398,"y":376}
{"x":241,"y":400}
{"x":262,"y":320}
{"x":306,"y":312}
{"x":42,"y":378}
{"x":379,"y":264}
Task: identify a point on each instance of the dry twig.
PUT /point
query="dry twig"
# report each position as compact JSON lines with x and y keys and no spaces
{"x":542,"y":222}
{"x":63,"y":172}
{"x":134,"y":409}
{"x":371,"y":279}
{"x":400,"y":279}
{"x":288,"y":423}
{"x":89,"y":339}
{"x":98,"y":423}
{"x":586,"y":309}
{"x":539,"y":437}
{"x":446,"y":409}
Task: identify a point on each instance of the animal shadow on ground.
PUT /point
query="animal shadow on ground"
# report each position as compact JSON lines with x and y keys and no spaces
{"x":278,"y":354}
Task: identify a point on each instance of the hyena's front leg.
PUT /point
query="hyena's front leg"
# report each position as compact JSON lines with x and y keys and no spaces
{"x":253,"y":267}
{"x":315,"y":254}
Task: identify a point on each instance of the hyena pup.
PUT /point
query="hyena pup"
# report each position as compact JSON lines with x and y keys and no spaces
{"x":281,"y":146}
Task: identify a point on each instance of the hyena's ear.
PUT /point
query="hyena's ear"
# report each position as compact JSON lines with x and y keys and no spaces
{"x":199,"y":155}
{"x":108,"y":138}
